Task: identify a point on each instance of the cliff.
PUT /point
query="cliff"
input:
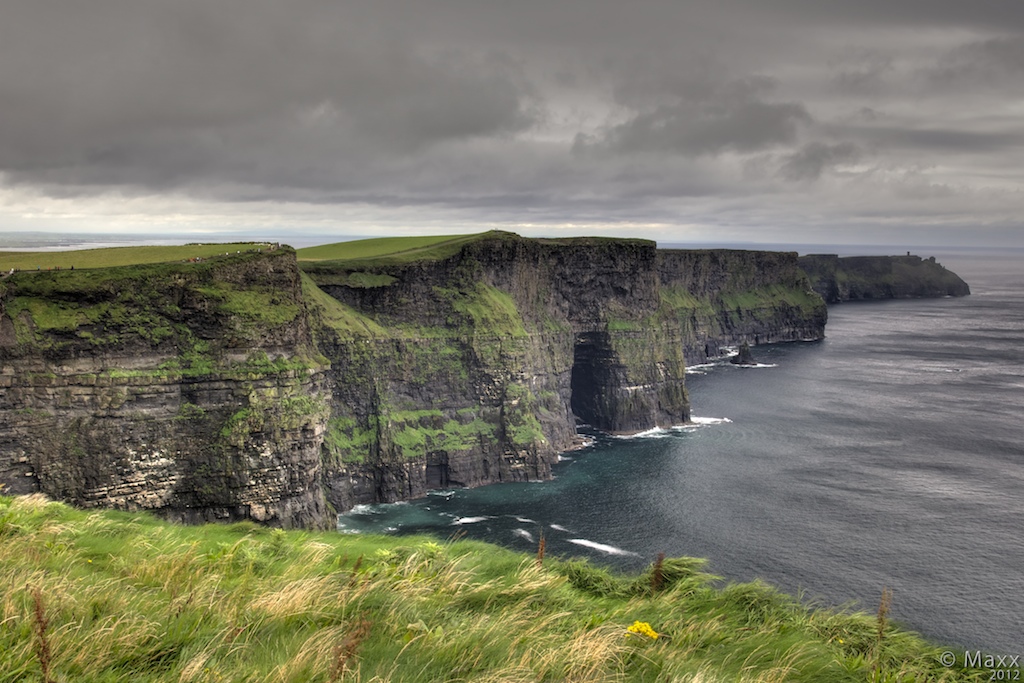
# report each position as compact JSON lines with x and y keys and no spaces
{"x":475,"y":357}
{"x":855,"y":278}
{"x":193,"y":389}
{"x":241,"y":387}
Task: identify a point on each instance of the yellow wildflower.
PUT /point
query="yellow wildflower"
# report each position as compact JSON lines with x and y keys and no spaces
{"x":642,"y":628}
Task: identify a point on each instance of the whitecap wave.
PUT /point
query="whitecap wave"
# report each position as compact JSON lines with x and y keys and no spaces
{"x":558,"y":527}
{"x":524,"y":520}
{"x":709,"y":420}
{"x":470,"y":520}
{"x":656,"y":433}
{"x":562,"y":458}
{"x":446,"y":494}
{"x":523,"y":533}
{"x":362,"y":510}
{"x":699,"y":368}
{"x":601,"y":547}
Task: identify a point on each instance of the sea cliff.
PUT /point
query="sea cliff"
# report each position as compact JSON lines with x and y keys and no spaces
{"x":247,"y":387}
{"x":857,"y":278}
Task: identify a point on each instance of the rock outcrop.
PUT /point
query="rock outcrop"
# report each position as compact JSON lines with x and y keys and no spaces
{"x":244,"y":388}
{"x":744,"y":357}
{"x":190,"y":389}
{"x":858,"y":278}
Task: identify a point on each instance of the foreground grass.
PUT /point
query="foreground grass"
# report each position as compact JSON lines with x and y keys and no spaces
{"x":105,"y":596}
{"x":109,"y":257}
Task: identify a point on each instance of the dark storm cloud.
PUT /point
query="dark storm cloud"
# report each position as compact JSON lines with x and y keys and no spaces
{"x":995,"y":62}
{"x":152,"y":91}
{"x":565,"y":110}
{"x":811,"y":160}
{"x":694,"y":130}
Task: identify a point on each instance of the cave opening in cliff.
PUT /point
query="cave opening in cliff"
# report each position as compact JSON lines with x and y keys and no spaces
{"x":592,"y":376}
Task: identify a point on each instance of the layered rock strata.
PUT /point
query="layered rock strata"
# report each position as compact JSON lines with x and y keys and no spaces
{"x":189,"y":389}
{"x":244,"y":388}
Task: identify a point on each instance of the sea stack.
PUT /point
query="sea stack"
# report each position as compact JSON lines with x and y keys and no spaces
{"x":744,"y":357}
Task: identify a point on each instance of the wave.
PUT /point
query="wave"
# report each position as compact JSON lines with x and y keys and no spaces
{"x":656,"y":433}
{"x":470,"y":520}
{"x":601,"y":547}
{"x":559,"y":527}
{"x":699,"y":368}
{"x":524,"y":520}
{"x":523,"y":533}
{"x":709,"y":420}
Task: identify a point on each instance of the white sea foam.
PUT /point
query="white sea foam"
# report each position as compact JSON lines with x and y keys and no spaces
{"x":709,"y":420}
{"x":601,"y":547}
{"x":470,"y":520}
{"x":559,"y":527}
{"x":524,"y":520}
{"x":699,"y":368}
{"x":446,"y":494}
{"x":562,"y":458}
{"x":759,"y":365}
{"x":656,"y":433}
{"x":523,"y":533}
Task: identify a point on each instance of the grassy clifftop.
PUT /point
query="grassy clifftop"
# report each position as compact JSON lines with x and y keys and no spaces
{"x":390,"y":249}
{"x":108,"y":257}
{"x":106,"y":596}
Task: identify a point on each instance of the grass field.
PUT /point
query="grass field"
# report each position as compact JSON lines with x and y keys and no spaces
{"x":106,"y":596}
{"x":401,"y":248}
{"x":115,"y":256}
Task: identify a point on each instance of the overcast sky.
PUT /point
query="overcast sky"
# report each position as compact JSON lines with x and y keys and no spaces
{"x":873,"y":121}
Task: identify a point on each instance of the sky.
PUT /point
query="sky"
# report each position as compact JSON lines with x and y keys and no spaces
{"x":764,"y":121}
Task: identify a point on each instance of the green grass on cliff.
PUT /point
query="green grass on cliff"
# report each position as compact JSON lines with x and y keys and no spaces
{"x":398,"y":249}
{"x":106,"y":596}
{"x":109,"y":257}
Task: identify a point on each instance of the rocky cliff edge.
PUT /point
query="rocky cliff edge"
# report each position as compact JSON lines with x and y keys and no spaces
{"x":243,"y":387}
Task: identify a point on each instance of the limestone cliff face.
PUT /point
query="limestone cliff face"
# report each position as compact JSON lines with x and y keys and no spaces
{"x":473,"y":366}
{"x":727,"y":297}
{"x":243,"y":388}
{"x":188,"y":389}
{"x":857,"y":278}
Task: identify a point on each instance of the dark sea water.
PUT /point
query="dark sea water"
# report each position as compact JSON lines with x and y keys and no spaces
{"x":889,"y":454}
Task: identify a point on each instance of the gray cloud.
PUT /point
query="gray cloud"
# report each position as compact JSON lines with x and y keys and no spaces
{"x":685,"y":129}
{"x":564,"y":111}
{"x":995,"y":62}
{"x":811,"y":160}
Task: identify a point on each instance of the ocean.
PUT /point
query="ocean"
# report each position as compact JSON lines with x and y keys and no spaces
{"x":890,"y":454}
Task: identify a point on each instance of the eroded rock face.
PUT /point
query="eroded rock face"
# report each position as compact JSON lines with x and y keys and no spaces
{"x":523,"y":337}
{"x":191,"y":391}
{"x":858,"y":278}
{"x":240,"y":388}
